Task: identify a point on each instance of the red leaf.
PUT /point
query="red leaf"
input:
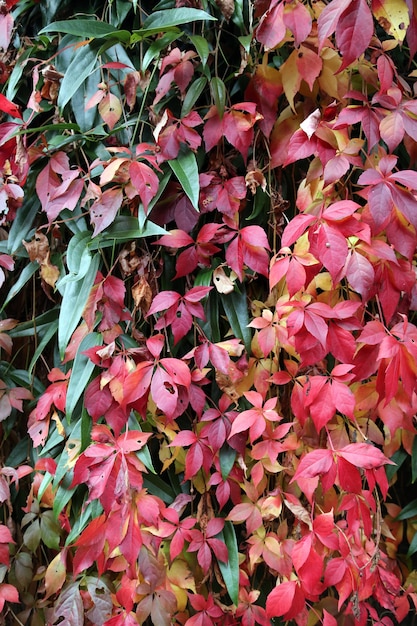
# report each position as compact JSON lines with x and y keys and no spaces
{"x":364,"y":455}
{"x":8,"y":593}
{"x":271,"y":28}
{"x":58,"y":186}
{"x":104,"y":209}
{"x":297,"y":19}
{"x":145,"y":181}
{"x":164,"y":300}
{"x":314,"y":463}
{"x":329,"y":19}
{"x":7,"y":106}
{"x":354,"y":31}
{"x":286,"y":600}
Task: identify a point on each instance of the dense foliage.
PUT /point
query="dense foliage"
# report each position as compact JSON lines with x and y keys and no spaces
{"x":208,"y":338}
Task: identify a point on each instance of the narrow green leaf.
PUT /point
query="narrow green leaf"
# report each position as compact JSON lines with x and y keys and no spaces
{"x":398,"y":458}
{"x":125,"y":228}
{"x":90,"y":511}
{"x":410,"y":510}
{"x":73,"y":303}
{"x":412,"y":547}
{"x":86,"y":118}
{"x":158,"y":487}
{"x":201,"y":45}
{"x":86,"y":425}
{"x":61,"y":498}
{"x":22,"y":223}
{"x":78,"y":258}
{"x":230,"y":570}
{"x":414,"y":461}
{"x":82,"y":65}
{"x":90,"y":29}
{"x":144,"y":453}
{"x":194,"y":92}
{"x":50,"y":331}
{"x":39,"y":325}
{"x":218,"y":92}
{"x":186,"y":170}
{"x":156,"y":47}
{"x":170,"y":18}
{"x":236,"y":308}
{"x":81,"y":371}
{"x":25,"y":275}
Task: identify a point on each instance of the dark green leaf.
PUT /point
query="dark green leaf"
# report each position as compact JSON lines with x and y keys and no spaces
{"x":201,"y":45}
{"x":230,"y":570}
{"x":194,"y":92}
{"x":236,"y":308}
{"x":89,"y":29}
{"x":159,"y":21}
{"x":73,"y":303}
{"x":410,"y":510}
{"x":186,"y":170}
{"x":84,"y":62}
{"x":218,"y":92}
{"x":227,"y":457}
{"x":81,"y":371}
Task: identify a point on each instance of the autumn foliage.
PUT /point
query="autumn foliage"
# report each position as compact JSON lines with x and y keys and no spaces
{"x":208,"y":383}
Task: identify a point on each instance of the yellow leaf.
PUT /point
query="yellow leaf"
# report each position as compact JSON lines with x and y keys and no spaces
{"x":110,"y":109}
{"x":392,"y":16}
{"x":49,"y":273}
{"x":55,"y":574}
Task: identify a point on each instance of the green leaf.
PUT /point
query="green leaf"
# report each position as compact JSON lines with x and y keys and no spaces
{"x":170,"y":18}
{"x":78,"y":258}
{"x":236,"y":308}
{"x":218,"y":92}
{"x":186,"y":170}
{"x":158,"y":487}
{"x":227,"y":458}
{"x":81,"y":371}
{"x":412,"y":549}
{"x":156,"y":47}
{"x":201,"y":45}
{"x":410,"y":510}
{"x":50,"y":331}
{"x":398,"y":458}
{"x":194,"y":92}
{"x":89,"y":29}
{"x":25,"y":275}
{"x":125,"y":228}
{"x":63,"y":495}
{"x":90,"y":511}
{"x":143,"y":454}
{"x":414,"y":461}
{"x":50,"y":530}
{"x":22,"y":223}
{"x":230,"y":570}
{"x":82,"y":65}
{"x":86,"y":118}
{"x":73,"y":302}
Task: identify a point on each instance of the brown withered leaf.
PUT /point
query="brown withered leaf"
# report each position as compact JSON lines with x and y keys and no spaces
{"x":255,"y":178}
{"x":49,"y":272}
{"x":142,"y":295}
{"x":38,"y":248}
{"x":227,"y":7}
{"x":221,"y":281}
{"x":129,"y":259}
